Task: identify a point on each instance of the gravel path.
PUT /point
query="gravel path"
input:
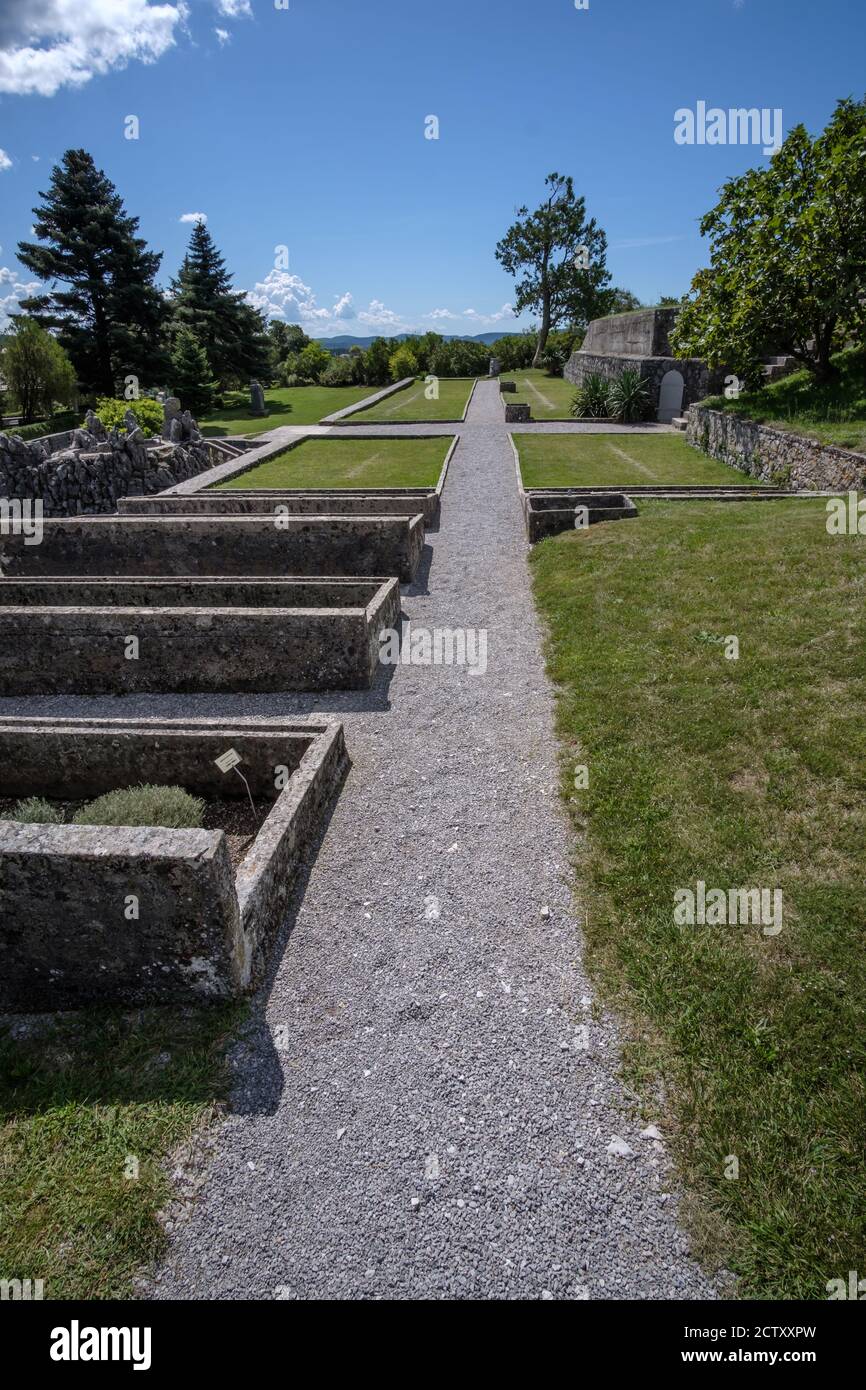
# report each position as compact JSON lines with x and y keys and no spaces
{"x":417,"y":1114}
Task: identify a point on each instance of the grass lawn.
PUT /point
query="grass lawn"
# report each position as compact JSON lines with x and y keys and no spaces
{"x":286,"y":405}
{"x":833,"y":414}
{"x":79,"y":1099}
{"x":737,"y":773}
{"x":602,"y":460}
{"x":350,"y":463}
{"x":549,"y":397}
{"x":412,"y":404}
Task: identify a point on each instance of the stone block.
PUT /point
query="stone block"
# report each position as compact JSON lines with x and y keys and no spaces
{"x":142,"y":916}
{"x":114,"y":636}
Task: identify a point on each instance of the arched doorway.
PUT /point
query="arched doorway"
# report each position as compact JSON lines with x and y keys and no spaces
{"x":670,"y":396}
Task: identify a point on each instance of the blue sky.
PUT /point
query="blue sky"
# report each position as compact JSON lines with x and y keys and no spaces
{"x":304,"y":127}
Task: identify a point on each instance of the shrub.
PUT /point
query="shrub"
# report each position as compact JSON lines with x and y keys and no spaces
{"x":292,"y":379}
{"x":402,"y":363}
{"x":148,"y":413}
{"x":171,"y":807}
{"x":628,"y":398}
{"x":67,"y":420}
{"x":312,"y":361}
{"x":592,"y":397}
{"x":33,"y":810}
{"x":339,"y":372}
{"x":553,"y":361}
{"x":514,"y":350}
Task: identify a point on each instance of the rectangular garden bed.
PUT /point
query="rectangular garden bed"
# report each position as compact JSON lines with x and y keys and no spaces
{"x":92,"y":914}
{"x":119,"y":636}
{"x":635,"y":457}
{"x":546,"y":514}
{"x":219,"y":545}
{"x":409,"y":405}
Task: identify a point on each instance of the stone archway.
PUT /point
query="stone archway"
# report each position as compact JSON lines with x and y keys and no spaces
{"x":670,"y":396}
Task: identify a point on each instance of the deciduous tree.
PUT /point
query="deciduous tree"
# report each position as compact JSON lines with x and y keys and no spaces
{"x":559,"y":256}
{"x":787,"y":269}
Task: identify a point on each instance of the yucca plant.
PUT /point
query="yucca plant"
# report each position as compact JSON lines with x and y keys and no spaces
{"x":591,"y":397}
{"x":628,"y":397}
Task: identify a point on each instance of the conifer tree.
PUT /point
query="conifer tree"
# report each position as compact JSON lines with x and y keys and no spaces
{"x":110,"y":314}
{"x":191,"y":378}
{"x":203,"y":300}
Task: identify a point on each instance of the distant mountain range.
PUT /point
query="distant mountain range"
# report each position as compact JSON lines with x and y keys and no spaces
{"x":345,"y":341}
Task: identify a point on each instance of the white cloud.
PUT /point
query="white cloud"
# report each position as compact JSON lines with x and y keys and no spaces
{"x":478,"y":320}
{"x":235,"y":9}
{"x":193,"y":217}
{"x":35,"y":158}
{"x":284,"y":296}
{"x":49,"y":44}
{"x":380,"y":317}
{"x":18,"y":290}
{"x":281,"y":295}
{"x":5,"y":161}
{"x":343,"y":309}
{"x":223,"y":35}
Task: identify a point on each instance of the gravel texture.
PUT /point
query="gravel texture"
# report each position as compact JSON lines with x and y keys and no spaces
{"x":425,"y":1105}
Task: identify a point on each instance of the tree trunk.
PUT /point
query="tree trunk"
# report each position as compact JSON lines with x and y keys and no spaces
{"x":823,"y":368}
{"x":104,"y":373}
{"x":543,"y":332}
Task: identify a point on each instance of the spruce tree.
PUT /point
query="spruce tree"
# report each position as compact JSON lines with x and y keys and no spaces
{"x":110,"y":316}
{"x":191,"y":377}
{"x":203,"y":301}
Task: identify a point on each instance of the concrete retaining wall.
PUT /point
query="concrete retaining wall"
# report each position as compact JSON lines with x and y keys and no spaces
{"x":225,"y":545}
{"x":94,"y":637}
{"x":202,"y":930}
{"x":774,"y":456}
{"x":642,"y":333}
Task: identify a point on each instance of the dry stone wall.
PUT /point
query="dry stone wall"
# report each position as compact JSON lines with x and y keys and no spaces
{"x":775,"y":456}
{"x":96,"y":467}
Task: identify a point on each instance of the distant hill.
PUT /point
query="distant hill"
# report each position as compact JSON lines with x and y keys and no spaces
{"x":345,"y":341}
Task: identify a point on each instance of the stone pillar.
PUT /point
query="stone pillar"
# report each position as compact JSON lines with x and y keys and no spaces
{"x":170,"y":411}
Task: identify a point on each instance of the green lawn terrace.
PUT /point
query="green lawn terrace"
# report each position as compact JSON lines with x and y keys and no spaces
{"x":548,"y":397}
{"x":619,"y":460}
{"x":362,"y":463}
{"x":734,"y":773}
{"x":832,"y":412}
{"x":411,"y":405}
{"x":285,"y":405}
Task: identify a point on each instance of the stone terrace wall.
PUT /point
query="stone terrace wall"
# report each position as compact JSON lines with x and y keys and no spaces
{"x":698,"y":381}
{"x":774,"y":456}
{"x":86,"y":481}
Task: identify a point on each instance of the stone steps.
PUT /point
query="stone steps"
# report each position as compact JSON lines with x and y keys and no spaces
{"x":226,"y":447}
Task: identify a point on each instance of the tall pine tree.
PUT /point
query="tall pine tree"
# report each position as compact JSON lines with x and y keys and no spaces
{"x":111,"y":316}
{"x":203,"y":300}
